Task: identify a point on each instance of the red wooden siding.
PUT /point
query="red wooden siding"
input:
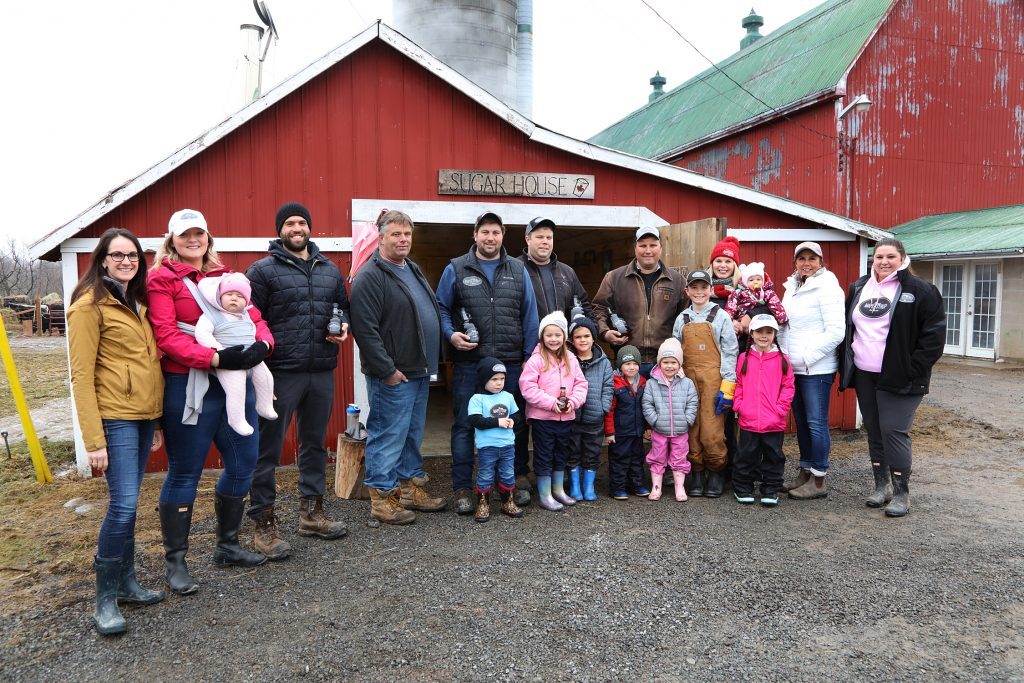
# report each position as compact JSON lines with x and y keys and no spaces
{"x":379,"y":125}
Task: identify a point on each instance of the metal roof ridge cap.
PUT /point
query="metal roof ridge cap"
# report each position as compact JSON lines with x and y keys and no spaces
{"x":687,"y":177}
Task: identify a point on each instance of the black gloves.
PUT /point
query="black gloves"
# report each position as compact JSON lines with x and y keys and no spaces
{"x":241,"y":358}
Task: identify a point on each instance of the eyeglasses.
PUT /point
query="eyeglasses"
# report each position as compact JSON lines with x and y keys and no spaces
{"x":118,"y":257}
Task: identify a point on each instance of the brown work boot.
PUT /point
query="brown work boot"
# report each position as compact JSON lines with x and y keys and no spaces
{"x":313,"y":520}
{"x":483,"y":509}
{"x":415,"y":497}
{"x":265,"y":538}
{"x":384,"y":506}
{"x":508,"y":505}
{"x":801,"y":478}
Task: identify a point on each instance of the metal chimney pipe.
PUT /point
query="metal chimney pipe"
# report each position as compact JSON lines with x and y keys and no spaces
{"x":524,"y":58}
{"x":249,"y":64}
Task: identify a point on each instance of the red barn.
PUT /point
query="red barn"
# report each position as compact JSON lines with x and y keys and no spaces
{"x":378,"y":122}
{"x":944,"y":131}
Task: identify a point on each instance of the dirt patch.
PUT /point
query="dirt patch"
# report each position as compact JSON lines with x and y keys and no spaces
{"x":43,"y":373}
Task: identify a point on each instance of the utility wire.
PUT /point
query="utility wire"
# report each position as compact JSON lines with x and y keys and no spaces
{"x":772,"y":109}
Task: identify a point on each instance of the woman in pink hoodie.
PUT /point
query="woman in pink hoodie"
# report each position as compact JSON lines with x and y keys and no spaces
{"x":553,"y":386}
{"x":764,"y":393}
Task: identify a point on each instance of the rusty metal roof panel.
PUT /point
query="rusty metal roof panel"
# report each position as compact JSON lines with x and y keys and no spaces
{"x":801,"y":60}
{"x":983,"y":231}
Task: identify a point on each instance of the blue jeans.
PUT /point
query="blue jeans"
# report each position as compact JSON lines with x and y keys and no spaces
{"x":500,"y":457}
{"x":395,"y":431}
{"x":128,"y":444}
{"x":810,"y":412}
{"x":188,"y":445}
{"x":463,"y":388}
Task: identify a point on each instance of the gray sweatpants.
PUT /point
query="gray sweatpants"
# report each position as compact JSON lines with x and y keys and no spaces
{"x":887,"y":420}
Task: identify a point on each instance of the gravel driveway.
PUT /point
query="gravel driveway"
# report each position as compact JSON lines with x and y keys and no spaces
{"x":708,"y":589}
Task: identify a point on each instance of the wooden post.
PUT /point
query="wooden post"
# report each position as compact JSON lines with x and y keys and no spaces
{"x":688,"y":245}
{"x":349,"y":471}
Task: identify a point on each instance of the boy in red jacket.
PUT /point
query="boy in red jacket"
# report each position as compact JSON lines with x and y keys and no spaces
{"x":764,"y":392}
{"x":624,"y":427}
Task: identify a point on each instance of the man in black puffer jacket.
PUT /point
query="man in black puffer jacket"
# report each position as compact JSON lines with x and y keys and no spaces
{"x":297,"y":289}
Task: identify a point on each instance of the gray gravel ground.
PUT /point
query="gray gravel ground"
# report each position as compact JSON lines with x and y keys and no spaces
{"x":708,"y":589}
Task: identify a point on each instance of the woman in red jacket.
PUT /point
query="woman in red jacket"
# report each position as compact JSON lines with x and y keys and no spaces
{"x":193,"y":420}
{"x":764,"y":393}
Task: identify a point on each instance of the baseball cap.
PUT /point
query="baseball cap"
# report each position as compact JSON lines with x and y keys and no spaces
{"x":763,"y":320}
{"x":488,"y":217}
{"x":539,"y":222}
{"x":647,"y":232}
{"x":808,"y":246}
{"x":185,"y":219}
{"x":698,"y":276}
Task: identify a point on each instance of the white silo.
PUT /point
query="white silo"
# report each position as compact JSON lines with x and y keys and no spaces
{"x":477,"y":38}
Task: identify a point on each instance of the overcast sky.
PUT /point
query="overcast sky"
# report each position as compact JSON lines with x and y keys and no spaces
{"x":97,"y":92}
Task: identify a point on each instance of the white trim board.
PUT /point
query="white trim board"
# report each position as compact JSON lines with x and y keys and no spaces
{"x":85,"y":245}
{"x":396,"y":40}
{"x":465,"y":213}
{"x":790,"y":235}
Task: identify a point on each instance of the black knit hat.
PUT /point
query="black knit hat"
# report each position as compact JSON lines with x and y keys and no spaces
{"x":583,"y":321}
{"x":485,"y":370}
{"x":287,"y":211}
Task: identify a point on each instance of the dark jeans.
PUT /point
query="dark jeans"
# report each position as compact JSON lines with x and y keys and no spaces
{"x":463,"y":388}
{"x":585,"y":445}
{"x":810,"y":412}
{"x":309,"y":396}
{"x":490,"y":458}
{"x":128,"y":444}
{"x":550,"y":445}
{"x":395,"y":426}
{"x":759,"y":457}
{"x":626,"y":463}
{"x":188,"y":445}
{"x":887,"y":420}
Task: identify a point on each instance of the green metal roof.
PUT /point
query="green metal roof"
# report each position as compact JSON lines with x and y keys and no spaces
{"x":995,"y":230}
{"x":806,"y":57}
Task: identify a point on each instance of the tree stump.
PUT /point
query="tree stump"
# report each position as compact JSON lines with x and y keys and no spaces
{"x":349,"y":472}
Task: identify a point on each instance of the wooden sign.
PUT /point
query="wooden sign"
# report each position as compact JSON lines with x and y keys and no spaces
{"x":517,"y":184}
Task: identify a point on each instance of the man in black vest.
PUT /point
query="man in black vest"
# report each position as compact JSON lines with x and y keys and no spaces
{"x":296,"y":289}
{"x":490,"y":291}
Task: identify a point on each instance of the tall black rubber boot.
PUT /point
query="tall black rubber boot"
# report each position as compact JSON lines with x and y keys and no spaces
{"x":228,"y":552}
{"x":175,"y":522}
{"x":900,"y":504}
{"x":714,"y":485}
{"x":695,"y":483}
{"x":130,"y":590}
{"x":883,"y":486}
{"x":108,"y":577}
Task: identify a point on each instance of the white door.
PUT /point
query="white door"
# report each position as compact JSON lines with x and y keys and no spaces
{"x":970,"y":295}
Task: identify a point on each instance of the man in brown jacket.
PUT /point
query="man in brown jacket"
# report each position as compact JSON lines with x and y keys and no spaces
{"x":646,"y":294}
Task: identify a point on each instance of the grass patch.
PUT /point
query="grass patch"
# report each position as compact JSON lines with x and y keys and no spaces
{"x":43,"y":374}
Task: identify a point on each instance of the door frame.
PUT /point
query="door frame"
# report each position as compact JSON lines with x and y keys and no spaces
{"x":965,"y":350}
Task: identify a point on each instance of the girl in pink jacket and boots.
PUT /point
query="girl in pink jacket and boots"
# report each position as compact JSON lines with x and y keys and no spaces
{"x":553,"y":386}
{"x":764,"y":392}
{"x":670,"y":406}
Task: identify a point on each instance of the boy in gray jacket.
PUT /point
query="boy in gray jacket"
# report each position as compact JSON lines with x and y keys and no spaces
{"x":670,"y":406}
{"x":588,"y":429}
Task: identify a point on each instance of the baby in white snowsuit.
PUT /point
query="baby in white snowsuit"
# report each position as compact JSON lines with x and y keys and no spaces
{"x":229,"y":295}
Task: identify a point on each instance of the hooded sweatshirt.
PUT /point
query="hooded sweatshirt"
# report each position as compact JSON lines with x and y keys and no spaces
{"x":871,"y":318}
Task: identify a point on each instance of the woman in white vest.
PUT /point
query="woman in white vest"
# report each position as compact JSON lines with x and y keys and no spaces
{"x":815,"y":303}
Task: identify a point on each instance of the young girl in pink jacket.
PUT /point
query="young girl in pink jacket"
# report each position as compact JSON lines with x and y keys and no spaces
{"x":553,"y":386}
{"x":764,"y":392}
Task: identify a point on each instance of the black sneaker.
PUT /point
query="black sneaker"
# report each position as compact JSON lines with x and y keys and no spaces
{"x":769,"y":500}
{"x":745,"y":498}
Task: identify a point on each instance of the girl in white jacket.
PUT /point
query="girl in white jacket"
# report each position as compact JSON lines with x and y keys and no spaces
{"x":815,"y":304}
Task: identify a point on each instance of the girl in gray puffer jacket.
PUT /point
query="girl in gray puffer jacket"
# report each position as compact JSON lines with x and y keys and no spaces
{"x":588,"y":429}
{"x":670,"y":406}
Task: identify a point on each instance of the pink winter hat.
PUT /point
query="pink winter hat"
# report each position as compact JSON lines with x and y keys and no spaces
{"x":671,"y":348}
{"x":235,"y":282}
{"x":748,"y":270}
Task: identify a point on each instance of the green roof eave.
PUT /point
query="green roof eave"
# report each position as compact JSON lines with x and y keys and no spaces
{"x":995,"y":231}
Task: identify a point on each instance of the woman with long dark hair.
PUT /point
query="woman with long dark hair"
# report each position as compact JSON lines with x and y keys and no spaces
{"x":895,"y":330}
{"x":118,"y":391}
{"x":194,"y":420}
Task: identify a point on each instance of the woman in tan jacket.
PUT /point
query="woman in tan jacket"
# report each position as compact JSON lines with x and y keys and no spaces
{"x":118,"y":391}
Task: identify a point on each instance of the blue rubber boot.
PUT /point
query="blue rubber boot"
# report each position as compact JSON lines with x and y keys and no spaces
{"x":558,"y":488}
{"x":544,"y":495}
{"x":588,"y":484}
{"x":574,"y":483}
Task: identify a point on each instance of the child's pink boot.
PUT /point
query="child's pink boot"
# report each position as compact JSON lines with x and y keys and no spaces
{"x":655,"y":485}
{"x":680,"y":484}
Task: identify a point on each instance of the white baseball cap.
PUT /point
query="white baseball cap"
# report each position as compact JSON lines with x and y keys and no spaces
{"x":185,"y":219}
{"x":648,"y":232}
{"x":763,"y":320}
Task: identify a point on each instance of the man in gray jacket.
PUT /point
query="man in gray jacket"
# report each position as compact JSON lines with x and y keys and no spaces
{"x":397,"y":325}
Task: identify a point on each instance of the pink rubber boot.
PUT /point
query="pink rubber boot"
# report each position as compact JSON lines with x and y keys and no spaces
{"x":680,"y":481}
{"x":655,"y":485}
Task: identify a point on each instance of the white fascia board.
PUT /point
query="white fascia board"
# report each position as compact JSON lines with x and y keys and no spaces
{"x":686,"y":177}
{"x":790,"y":235}
{"x":465,"y":213}
{"x":85,"y":245}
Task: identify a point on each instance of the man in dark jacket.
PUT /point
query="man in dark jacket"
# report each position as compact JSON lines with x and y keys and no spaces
{"x":397,"y":325}
{"x":555,"y":284}
{"x":497,"y":296}
{"x":297,"y":289}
